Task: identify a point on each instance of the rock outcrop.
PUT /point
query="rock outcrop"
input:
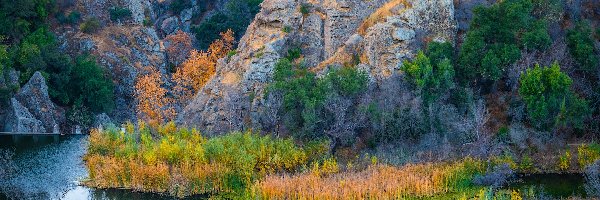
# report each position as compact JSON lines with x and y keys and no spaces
{"x":20,"y":120}
{"x":334,"y":32}
{"x":34,"y":97}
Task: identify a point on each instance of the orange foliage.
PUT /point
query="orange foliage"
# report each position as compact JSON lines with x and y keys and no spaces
{"x":376,"y":182}
{"x":154,"y":105}
{"x":200,"y":66}
{"x":180,"y":45}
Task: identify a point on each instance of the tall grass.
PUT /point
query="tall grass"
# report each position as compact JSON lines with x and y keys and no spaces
{"x":376,"y":182}
{"x":180,"y":162}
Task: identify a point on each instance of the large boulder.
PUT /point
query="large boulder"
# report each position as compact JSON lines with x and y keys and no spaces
{"x":34,"y":96}
{"x":20,"y":120}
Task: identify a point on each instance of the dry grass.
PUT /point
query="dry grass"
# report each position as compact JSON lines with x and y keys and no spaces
{"x":381,"y":14}
{"x":376,"y":182}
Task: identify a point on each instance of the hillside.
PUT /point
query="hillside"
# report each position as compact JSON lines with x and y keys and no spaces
{"x":249,"y":98}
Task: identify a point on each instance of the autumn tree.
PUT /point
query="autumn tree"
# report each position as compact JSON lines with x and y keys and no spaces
{"x":193,"y":74}
{"x":153,"y":102}
{"x":180,"y":45}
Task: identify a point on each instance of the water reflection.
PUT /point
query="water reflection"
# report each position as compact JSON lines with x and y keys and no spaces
{"x":44,"y":167}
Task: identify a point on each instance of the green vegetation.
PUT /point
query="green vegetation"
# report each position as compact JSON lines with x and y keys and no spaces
{"x":587,"y":154}
{"x":496,"y":37}
{"x":119,"y":13}
{"x":177,"y":6}
{"x":72,"y":18}
{"x":30,"y":46}
{"x":19,"y":18}
{"x":90,"y":85}
{"x":181,"y":162}
{"x":549,"y":99}
{"x":581,"y":46}
{"x":236,"y":16}
{"x":432,"y":77}
{"x":305,"y":9}
{"x":304,"y":94}
{"x":90,"y":25}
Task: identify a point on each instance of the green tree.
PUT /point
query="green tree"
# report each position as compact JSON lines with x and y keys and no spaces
{"x":90,"y":85}
{"x":19,"y":18}
{"x":431,"y":80}
{"x":549,"y":99}
{"x":581,"y":46}
{"x":496,"y":37}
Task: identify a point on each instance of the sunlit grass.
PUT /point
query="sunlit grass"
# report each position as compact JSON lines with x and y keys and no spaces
{"x":180,"y":162}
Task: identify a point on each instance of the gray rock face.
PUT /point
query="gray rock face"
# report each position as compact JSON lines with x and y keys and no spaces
{"x":170,"y":25}
{"x":101,"y":120}
{"x":19,"y":119}
{"x":234,"y":98}
{"x":34,"y":96}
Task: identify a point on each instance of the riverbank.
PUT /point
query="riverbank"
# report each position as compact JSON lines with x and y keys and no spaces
{"x":180,"y":162}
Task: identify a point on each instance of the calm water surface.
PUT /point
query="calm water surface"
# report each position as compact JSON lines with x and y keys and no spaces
{"x":51,"y":167}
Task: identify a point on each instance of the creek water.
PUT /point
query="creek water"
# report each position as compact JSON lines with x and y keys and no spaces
{"x":51,"y":167}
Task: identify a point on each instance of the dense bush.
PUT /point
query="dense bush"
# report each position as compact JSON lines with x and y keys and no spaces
{"x":304,"y":94}
{"x":181,"y":162}
{"x":549,"y":99}
{"x":72,"y":18}
{"x":177,"y":6}
{"x":236,"y":16}
{"x":19,"y":18}
{"x":581,"y":46}
{"x":496,"y":36}
{"x":119,"y":13}
{"x":90,"y":25}
{"x":90,"y":85}
{"x":432,"y":79}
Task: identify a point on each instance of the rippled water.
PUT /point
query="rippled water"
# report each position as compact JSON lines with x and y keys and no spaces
{"x":46,"y":168}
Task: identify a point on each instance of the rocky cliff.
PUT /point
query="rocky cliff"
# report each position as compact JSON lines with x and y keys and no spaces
{"x":330,"y":33}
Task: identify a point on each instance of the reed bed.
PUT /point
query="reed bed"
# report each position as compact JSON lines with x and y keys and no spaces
{"x":180,"y":162}
{"x":376,"y":182}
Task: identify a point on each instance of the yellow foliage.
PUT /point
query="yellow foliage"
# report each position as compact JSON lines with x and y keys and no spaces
{"x":153,"y":104}
{"x":565,"y":161}
{"x":587,"y":154}
{"x":181,"y":162}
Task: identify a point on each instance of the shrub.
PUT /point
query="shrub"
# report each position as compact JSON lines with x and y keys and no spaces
{"x":286,"y":29}
{"x":431,"y":79}
{"x":549,"y":99}
{"x":72,"y":18}
{"x":177,"y":6}
{"x":119,"y":13}
{"x":304,"y":94}
{"x":581,"y":46}
{"x":237,"y":15}
{"x":587,"y":154}
{"x":90,"y":25}
{"x":305,"y":9}
{"x":564,"y":162}
{"x":90,"y":84}
{"x":495,"y":36}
